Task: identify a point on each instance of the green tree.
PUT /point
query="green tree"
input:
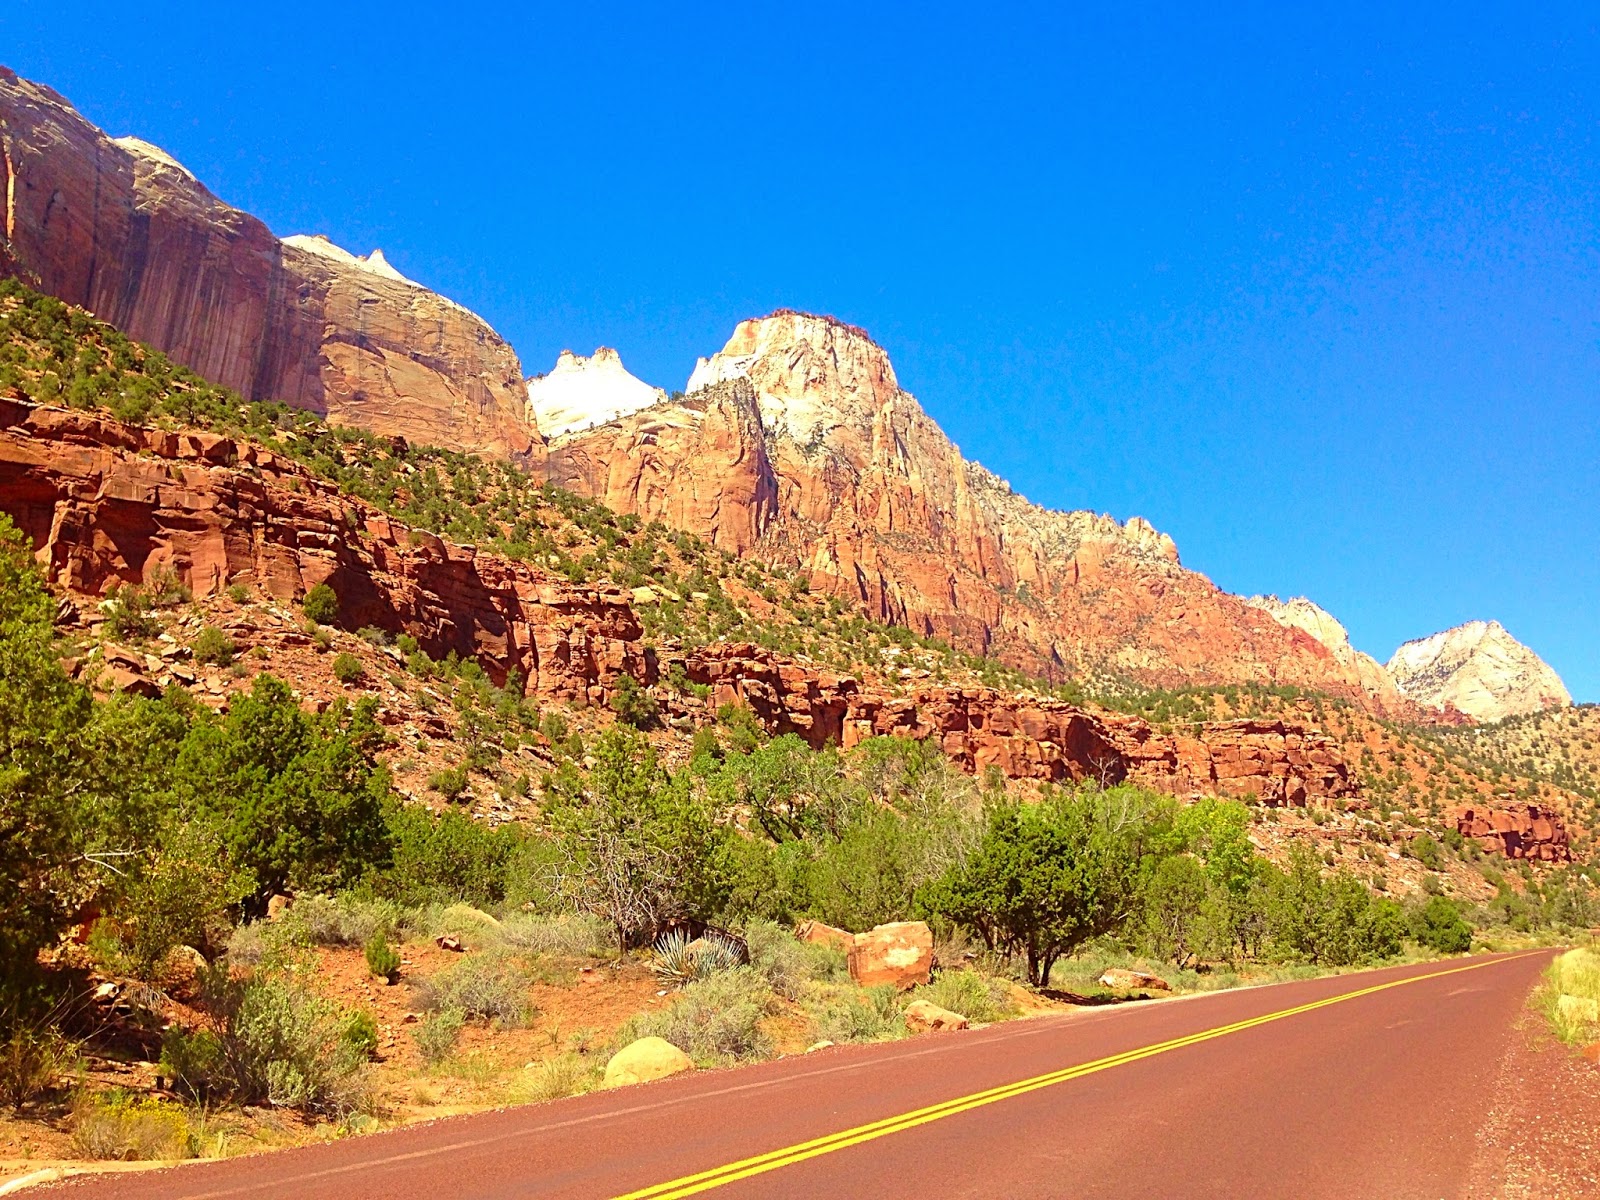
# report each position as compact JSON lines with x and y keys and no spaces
{"x":633,"y":704}
{"x":321,"y":604}
{"x":1049,"y":877}
{"x":1175,"y":901}
{"x":1438,"y":924}
{"x":298,"y":799}
{"x":47,"y":770}
{"x":641,"y":847}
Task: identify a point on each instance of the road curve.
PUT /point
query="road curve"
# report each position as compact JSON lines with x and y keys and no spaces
{"x":1373,"y":1084}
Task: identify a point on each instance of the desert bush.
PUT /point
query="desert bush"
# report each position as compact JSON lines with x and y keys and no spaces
{"x":33,"y":1053}
{"x":564,"y":1075}
{"x":450,"y":782}
{"x":383,"y":960}
{"x":186,"y":893}
{"x":1439,"y":926}
{"x":437,"y":1033}
{"x":968,"y":993}
{"x":270,"y":1040}
{"x":714,"y":1020}
{"x":119,"y":1126}
{"x":846,"y":1013}
{"x":347,"y":667}
{"x":633,"y":704}
{"x":679,"y":959}
{"x":490,"y":987}
{"x":213,"y":647}
{"x":129,"y":614}
{"x":321,"y":605}
{"x":340,"y":920}
{"x":789,"y":965}
{"x":574,"y":935}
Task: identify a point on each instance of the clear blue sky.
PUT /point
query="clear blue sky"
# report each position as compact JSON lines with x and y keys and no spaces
{"x":1317,"y":294}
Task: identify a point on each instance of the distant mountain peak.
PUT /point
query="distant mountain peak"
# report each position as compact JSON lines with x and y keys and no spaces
{"x":579,"y":393}
{"x":1479,"y":668}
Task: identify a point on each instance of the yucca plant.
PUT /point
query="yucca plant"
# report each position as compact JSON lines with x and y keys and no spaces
{"x":680,"y":960}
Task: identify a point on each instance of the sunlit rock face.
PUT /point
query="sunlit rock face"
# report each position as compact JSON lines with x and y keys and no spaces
{"x":580,"y":393}
{"x":121,"y":228}
{"x":796,"y":443}
{"x":1479,"y":669}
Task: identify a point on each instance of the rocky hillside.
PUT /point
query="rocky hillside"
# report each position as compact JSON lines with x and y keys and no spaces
{"x":1479,"y":669}
{"x":122,"y":229}
{"x":797,"y":445}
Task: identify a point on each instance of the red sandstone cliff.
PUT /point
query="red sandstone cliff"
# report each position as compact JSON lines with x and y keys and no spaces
{"x":797,"y":444}
{"x":124,"y":231}
{"x":1517,"y":830}
{"x":105,"y":502}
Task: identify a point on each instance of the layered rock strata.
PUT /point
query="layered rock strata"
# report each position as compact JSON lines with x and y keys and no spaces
{"x":120,"y":228}
{"x":107,"y":503}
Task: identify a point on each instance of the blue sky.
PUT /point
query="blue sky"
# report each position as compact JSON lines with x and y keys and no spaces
{"x":1316,"y":293}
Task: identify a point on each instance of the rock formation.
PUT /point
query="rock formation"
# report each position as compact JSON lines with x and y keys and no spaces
{"x":583,"y":392}
{"x":1309,"y":617}
{"x":797,"y":444}
{"x":1479,"y":669}
{"x":106,"y":502}
{"x":120,"y":228}
{"x":1517,"y":830}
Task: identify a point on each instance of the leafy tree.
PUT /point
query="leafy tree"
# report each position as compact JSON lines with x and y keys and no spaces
{"x":641,"y":847}
{"x":1438,"y":924}
{"x":1175,"y":905}
{"x":445,"y":858}
{"x":298,"y":799}
{"x":1047,"y":878}
{"x":47,"y":769}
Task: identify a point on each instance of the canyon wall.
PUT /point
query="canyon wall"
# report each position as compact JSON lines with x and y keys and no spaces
{"x":120,"y":228}
{"x":106,"y":502}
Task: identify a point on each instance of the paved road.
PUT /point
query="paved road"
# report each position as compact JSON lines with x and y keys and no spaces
{"x":1368,"y":1085}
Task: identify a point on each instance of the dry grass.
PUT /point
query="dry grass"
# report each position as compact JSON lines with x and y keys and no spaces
{"x":1570,"y":997}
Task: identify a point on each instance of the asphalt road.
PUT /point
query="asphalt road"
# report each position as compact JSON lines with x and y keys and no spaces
{"x":1355,"y":1086}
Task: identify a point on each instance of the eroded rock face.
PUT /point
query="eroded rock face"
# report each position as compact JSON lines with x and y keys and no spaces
{"x":120,"y":228}
{"x":582,"y":392}
{"x":1517,"y":830}
{"x":1479,"y":669}
{"x":105,"y":502}
{"x":796,"y":444}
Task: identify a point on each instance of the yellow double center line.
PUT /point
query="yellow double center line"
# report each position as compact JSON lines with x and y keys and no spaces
{"x":704,"y":1181}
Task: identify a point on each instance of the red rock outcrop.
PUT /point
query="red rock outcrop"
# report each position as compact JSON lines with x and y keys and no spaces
{"x":106,"y":502}
{"x":1517,"y":830}
{"x":118,"y":227}
{"x":796,"y":444}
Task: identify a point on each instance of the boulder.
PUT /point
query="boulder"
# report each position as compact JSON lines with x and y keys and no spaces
{"x":1124,"y":980}
{"x":646,"y":1059}
{"x":276,"y":906}
{"x":900,"y":953}
{"x":826,"y":935}
{"x":923,"y":1016}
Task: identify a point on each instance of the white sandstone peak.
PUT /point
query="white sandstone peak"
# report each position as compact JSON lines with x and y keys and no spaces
{"x":582,"y":392}
{"x":1479,"y":668}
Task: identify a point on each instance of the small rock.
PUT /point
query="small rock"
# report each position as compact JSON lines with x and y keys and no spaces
{"x":448,"y":941}
{"x":924,"y":1015}
{"x":644,"y":1060}
{"x":276,"y":905}
{"x":107,"y":991}
{"x":822,"y":1045}
{"x":825,"y":935}
{"x":409,"y":1018}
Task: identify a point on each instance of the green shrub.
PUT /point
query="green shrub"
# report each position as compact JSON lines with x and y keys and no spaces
{"x":846,"y":1013}
{"x":633,"y":704}
{"x":789,"y":965}
{"x":33,"y":1054}
{"x":238,"y":593}
{"x":373,"y":634}
{"x":213,"y":647}
{"x":383,"y":960}
{"x":128,"y":614}
{"x":1426,"y":851}
{"x":564,"y":1075}
{"x":340,"y":920}
{"x":450,"y":782}
{"x":321,"y":605}
{"x":1438,"y":925}
{"x":444,"y":858}
{"x":121,"y":1127}
{"x":715,"y":1020}
{"x":347,"y":668}
{"x":966,"y":992}
{"x":437,"y":1033}
{"x":489,"y":987}
{"x":185,"y":893}
{"x":269,"y":1040}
